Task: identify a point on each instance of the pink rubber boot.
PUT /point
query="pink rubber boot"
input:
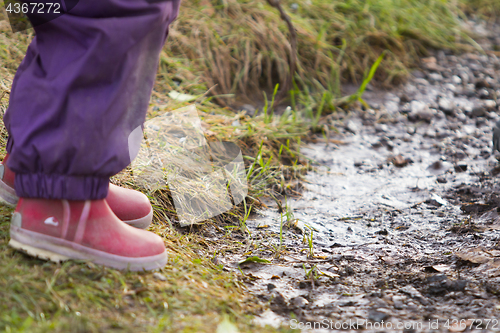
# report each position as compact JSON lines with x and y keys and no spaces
{"x":132,"y":207}
{"x":59,"y":230}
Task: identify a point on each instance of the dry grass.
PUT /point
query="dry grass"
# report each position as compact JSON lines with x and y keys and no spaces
{"x":242,"y":46}
{"x":489,"y":9}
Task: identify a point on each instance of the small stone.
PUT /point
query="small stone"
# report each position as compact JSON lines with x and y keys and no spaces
{"x":271,"y":286}
{"x":456,"y":79}
{"x":352,"y":127}
{"x":431,"y":133}
{"x":484,"y":94}
{"x":304,"y":284}
{"x":435,"y":77}
{"x":382,"y":232}
{"x":482,"y":83}
{"x":446,"y":105}
{"x":398,"y":302}
{"x":278,"y":303}
{"x":450,"y":87}
{"x":410,"y":290}
{"x":478,"y":110}
{"x":490,"y":104}
{"x":299,"y":302}
{"x":349,"y":271}
{"x":406,"y":108}
{"x":417,"y":106}
{"x":381,"y":128}
{"x":442,"y":180}
{"x":464,"y":77}
{"x":423,"y":82}
{"x":418,"y":74}
{"x":378,"y":316}
{"x":248,"y":109}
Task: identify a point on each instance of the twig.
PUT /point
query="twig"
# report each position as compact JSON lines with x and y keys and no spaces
{"x":293,"y":53}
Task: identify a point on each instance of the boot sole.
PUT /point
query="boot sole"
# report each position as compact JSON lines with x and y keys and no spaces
{"x":58,"y":250}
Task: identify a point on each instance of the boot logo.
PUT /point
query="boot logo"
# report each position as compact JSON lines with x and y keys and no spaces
{"x":51,"y":221}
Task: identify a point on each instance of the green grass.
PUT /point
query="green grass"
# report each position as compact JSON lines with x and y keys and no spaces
{"x":39,"y":296}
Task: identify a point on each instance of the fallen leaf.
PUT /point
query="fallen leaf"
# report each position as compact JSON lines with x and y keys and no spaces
{"x":399,"y":161}
{"x":254,"y":259}
{"x":181,"y":97}
{"x":330,"y":275}
{"x":475,"y":256}
{"x":441,"y":268}
{"x":438,"y":199}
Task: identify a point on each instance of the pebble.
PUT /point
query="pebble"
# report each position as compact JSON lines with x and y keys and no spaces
{"x":398,"y":302}
{"x":248,"y":109}
{"x":378,"y":315}
{"x":381,"y":128}
{"x":456,"y":79}
{"x":417,"y":106}
{"x":352,"y":127}
{"x":441,"y":180}
{"x":484,"y":94}
{"x":490,"y":104}
{"x":299,"y":302}
{"x":435,"y":77}
{"x":446,"y":105}
{"x":464,"y":77}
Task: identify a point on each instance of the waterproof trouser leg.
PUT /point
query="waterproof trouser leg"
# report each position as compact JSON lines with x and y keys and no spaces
{"x":80,"y":92}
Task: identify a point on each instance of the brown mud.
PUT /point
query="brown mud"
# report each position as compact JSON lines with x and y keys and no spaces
{"x":398,"y":228}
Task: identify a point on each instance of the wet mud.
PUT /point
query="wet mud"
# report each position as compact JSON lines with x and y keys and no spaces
{"x":397,"y":228}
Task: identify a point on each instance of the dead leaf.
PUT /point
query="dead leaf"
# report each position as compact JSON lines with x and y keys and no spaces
{"x":429,"y":60}
{"x":330,"y":275}
{"x":441,"y":268}
{"x":399,"y":161}
{"x":475,"y":256}
{"x":389,"y":260}
{"x":254,"y":259}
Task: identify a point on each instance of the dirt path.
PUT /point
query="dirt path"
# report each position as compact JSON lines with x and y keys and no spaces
{"x":404,"y":215}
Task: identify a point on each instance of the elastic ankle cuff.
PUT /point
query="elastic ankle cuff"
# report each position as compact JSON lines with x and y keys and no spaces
{"x":61,"y":187}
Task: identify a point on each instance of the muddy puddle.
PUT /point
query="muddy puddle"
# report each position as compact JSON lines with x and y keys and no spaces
{"x":397,"y":229}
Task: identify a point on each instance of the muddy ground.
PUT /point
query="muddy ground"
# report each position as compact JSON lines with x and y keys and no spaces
{"x":403,"y":209}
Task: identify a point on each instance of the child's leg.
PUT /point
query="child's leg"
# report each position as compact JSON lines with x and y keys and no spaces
{"x":83,"y":87}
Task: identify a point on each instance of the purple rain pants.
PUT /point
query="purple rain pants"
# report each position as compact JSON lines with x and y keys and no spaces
{"x":81,"y":90}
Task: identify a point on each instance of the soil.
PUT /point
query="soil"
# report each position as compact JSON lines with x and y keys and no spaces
{"x":402,"y":211}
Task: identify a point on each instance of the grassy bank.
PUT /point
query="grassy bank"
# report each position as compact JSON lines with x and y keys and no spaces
{"x":237,"y":50}
{"x":488,"y":9}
